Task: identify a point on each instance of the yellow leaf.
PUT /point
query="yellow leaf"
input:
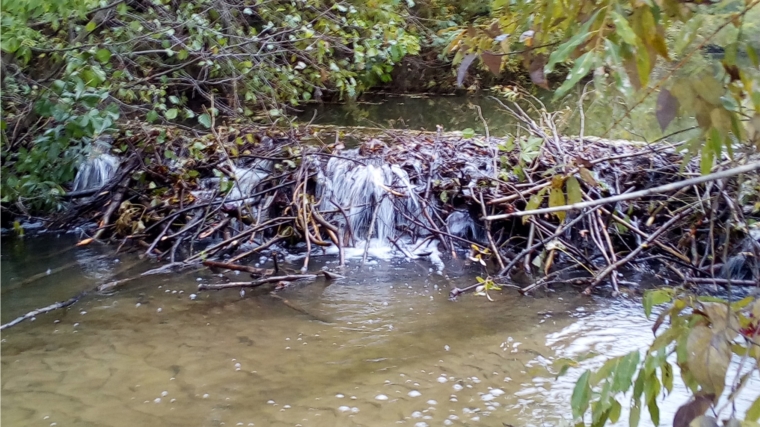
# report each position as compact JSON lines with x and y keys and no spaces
{"x":558,"y":181}
{"x":533,"y":203}
{"x":557,"y":198}
{"x":708,"y":88}
{"x":709,"y":355}
{"x":85,"y":242}
{"x":587,"y":177}
{"x":659,"y":44}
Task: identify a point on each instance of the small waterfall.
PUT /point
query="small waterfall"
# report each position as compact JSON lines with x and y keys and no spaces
{"x":367,"y":188}
{"x":460,"y":223}
{"x":246,"y":180}
{"x":97,"y":169}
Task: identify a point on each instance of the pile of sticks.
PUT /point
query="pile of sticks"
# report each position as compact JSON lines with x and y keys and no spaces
{"x":628,"y":201}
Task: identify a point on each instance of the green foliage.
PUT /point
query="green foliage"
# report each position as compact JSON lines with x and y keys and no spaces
{"x":169,"y":61}
{"x":35,"y":173}
{"x":619,"y":43}
{"x":703,"y":333}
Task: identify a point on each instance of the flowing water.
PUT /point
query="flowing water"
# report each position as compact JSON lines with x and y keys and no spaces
{"x":382,"y":347}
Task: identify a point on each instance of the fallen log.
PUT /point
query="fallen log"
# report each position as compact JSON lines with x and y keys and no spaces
{"x":237,"y":267}
{"x":750,"y":167}
{"x":43,"y":310}
{"x":255,"y":283}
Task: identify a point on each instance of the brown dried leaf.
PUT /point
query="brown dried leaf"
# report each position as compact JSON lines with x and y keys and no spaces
{"x":495,"y":30}
{"x":659,"y":44}
{"x":536,"y":71}
{"x":732,"y":71}
{"x":493,"y":62}
{"x":690,"y":411}
{"x":667,"y":108}
{"x":633,"y":73}
{"x":472,"y":32}
{"x":587,"y":177}
{"x":722,"y":322}
{"x":710,"y":354}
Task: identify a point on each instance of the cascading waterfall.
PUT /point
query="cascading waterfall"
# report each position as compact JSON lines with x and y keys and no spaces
{"x":246,"y":180}
{"x":460,"y":223}
{"x":367,"y":188}
{"x":97,"y":169}
{"x":374,"y":203}
{"x":363,"y":189}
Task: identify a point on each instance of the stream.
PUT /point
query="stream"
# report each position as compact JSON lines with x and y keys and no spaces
{"x":382,"y":347}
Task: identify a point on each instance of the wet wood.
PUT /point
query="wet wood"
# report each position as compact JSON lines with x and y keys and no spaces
{"x":43,"y":310}
{"x":255,"y":283}
{"x":238,"y":267}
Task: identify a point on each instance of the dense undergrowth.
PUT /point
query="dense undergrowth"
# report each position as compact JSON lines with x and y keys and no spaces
{"x":72,"y":69}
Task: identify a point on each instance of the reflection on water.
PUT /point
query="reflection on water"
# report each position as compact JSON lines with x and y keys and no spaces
{"x":383,"y":347}
{"x":458,"y":112}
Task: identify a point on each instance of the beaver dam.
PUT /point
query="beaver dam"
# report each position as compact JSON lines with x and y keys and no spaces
{"x":536,"y":209}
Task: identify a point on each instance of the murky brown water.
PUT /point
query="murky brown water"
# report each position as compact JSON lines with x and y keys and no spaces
{"x":382,"y":347}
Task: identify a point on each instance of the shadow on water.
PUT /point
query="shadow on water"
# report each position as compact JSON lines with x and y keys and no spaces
{"x":458,"y":112}
{"x":389,"y":347}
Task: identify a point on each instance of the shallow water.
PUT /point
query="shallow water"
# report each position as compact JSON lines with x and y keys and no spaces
{"x":382,"y":347}
{"x":459,"y":112}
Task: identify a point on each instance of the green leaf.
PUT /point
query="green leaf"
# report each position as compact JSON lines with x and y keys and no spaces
{"x":667,"y":376}
{"x":654,"y":411}
{"x":604,"y":371}
{"x":657,"y":297}
{"x":90,"y":27}
{"x":533,"y":203}
{"x":565,"y":49}
{"x":182,"y":55}
{"x":152,"y":116}
{"x":581,"y":395}
{"x":615,"y":409}
{"x":468,"y":133}
{"x":623,"y":29}
{"x":628,"y":365}
{"x":643,"y":64}
{"x":635,"y":415}
{"x":574,"y":194}
{"x":171,"y":114}
{"x":103,"y":55}
{"x":205,"y":120}
{"x":581,"y":69}
{"x":688,"y":34}
{"x":752,"y":54}
{"x":753,"y":413}
{"x":557,"y":198}
{"x":706,"y":161}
